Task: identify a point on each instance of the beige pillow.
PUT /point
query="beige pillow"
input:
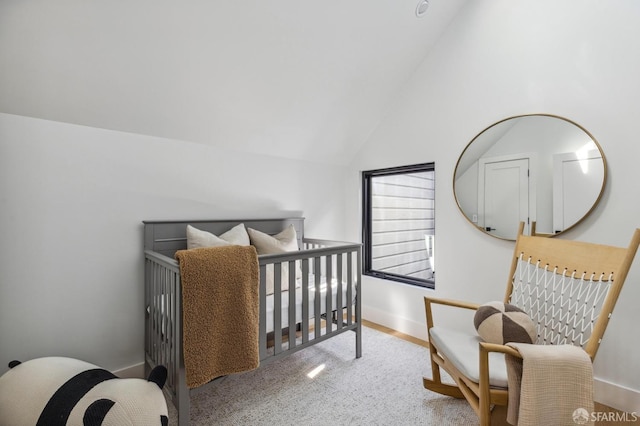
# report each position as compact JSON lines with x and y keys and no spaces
{"x":235,"y":236}
{"x":501,"y":323}
{"x":285,"y":241}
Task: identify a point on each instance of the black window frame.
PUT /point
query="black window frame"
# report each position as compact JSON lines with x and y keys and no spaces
{"x":367,"y":223}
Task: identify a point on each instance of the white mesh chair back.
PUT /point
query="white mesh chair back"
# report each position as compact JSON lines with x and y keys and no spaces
{"x":564,"y":305}
{"x":569,"y":288}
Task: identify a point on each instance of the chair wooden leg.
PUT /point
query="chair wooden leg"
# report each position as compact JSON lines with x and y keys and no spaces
{"x":436,"y":384}
{"x":499,"y":415}
{"x":442,"y":388}
{"x":485,"y":415}
{"x":484,"y":399}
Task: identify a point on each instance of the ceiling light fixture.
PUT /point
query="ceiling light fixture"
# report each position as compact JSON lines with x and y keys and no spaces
{"x":422,"y":7}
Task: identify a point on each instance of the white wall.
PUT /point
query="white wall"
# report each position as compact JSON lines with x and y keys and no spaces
{"x":72,"y":200}
{"x":502,"y":58}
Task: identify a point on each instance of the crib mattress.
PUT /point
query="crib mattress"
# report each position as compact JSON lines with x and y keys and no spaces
{"x":284,"y":303}
{"x":284,"y":300}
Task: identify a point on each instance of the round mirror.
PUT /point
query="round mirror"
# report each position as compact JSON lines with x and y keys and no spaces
{"x":540,"y":169}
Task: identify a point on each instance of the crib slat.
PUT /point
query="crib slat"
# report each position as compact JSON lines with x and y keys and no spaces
{"x":339,"y":304}
{"x":161,"y":311}
{"x":349,"y":289}
{"x":165,"y":325}
{"x":292,"y":305}
{"x":305,"y":300}
{"x":172,"y":324}
{"x":262,"y":326}
{"x":317,"y":298}
{"x":358,"y":305}
{"x":152,"y":314}
{"x":277,"y":308}
{"x":156,"y":316}
{"x":163,"y":317}
{"x":182,"y":398}
{"x":329,"y":293}
{"x":147,"y":305}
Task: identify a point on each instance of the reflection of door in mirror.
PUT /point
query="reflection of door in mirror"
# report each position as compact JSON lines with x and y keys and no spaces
{"x":539,"y":137}
{"x":577,"y":178}
{"x":503,"y":194}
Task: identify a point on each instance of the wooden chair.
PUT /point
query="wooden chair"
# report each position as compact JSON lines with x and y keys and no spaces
{"x":569,"y":289}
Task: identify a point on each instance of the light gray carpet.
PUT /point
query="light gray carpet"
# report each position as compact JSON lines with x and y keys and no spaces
{"x":384,"y":387}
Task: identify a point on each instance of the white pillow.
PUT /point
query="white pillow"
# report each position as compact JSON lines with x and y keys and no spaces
{"x":235,"y":236}
{"x":285,"y":241}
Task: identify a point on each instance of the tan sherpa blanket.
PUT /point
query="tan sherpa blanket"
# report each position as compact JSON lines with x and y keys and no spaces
{"x":220,"y":311}
{"x":550,"y":385}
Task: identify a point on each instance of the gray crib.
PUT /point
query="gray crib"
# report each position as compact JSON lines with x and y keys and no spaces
{"x":321,"y":302}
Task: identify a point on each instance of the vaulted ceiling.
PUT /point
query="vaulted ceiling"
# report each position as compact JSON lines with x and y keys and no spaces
{"x":291,"y":78}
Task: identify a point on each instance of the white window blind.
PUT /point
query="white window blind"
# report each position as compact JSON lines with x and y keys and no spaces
{"x":401,"y":224}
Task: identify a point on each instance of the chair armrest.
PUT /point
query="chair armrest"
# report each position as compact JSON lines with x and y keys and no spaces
{"x":494,"y":347}
{"x":446,"y":302}
{"x":451,"y":302}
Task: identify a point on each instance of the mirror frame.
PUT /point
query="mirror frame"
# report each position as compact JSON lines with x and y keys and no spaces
{"x":533,"y":224}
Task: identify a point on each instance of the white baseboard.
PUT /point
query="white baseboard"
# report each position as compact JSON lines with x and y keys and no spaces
{"x":133,"y":372}
{"x":403,"y":325}
{"x":610,"y":394}
{"x":616,"y":396}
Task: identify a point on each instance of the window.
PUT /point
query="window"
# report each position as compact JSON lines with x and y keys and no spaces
{"x":399,"y":222}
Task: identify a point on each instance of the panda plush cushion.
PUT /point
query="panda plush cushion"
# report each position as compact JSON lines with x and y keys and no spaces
{"x":61,"y":391}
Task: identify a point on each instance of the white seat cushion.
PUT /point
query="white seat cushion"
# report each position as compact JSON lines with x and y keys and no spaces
{"x":463,"y":351}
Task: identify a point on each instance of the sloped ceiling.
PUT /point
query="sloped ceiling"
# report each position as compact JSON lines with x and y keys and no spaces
{"x":291,"y":78}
